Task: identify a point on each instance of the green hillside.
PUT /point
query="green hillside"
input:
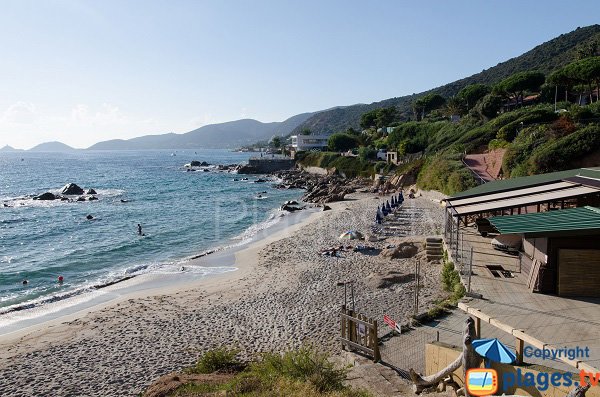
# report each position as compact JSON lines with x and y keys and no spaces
{"x":544,"y":58}
{"x":544,"y":119}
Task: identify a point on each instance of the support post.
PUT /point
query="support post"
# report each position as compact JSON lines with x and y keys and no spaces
{"x":519,"y":347}
{"x":376,"y":355}
{"x":470,"y":271}
{"x":343,"y":329}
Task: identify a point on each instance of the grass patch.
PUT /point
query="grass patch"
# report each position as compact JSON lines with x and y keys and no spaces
{"x":304,"y":372}
{"x":222,"y":359}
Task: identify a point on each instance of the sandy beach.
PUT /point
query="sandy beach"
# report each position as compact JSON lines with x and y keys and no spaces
{"x":284,"y":294}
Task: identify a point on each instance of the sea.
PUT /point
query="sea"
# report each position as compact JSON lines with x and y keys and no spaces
{"x":183,"y":215}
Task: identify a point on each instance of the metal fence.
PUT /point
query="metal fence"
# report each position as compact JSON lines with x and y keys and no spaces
{"x":407,"y":350}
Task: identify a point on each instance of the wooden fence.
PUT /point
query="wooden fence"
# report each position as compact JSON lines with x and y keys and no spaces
{"x":359,"y":333}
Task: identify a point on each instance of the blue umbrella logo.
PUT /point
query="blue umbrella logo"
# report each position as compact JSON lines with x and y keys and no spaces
{"x":494,"y":350}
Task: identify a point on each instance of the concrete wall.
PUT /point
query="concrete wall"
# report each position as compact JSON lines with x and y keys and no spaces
{"x":438,"y":355}
{"x":267,"y":165}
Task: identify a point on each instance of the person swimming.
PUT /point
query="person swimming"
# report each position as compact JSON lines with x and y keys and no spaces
{"x":140,"y":230}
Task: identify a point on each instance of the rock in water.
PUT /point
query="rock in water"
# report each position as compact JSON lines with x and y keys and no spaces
{"x":45,"y":196}
{"x":91,"y":191}
{"x":72,"y":189}
{"x":92,"y":198}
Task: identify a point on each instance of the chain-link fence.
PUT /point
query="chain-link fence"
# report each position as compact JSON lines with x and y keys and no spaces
{"x":407,"y":350}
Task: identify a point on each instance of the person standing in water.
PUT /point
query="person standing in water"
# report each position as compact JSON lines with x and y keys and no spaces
{"x":140,"y":229}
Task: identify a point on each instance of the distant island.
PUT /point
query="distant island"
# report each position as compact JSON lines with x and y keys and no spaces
{"x":52,"y":147}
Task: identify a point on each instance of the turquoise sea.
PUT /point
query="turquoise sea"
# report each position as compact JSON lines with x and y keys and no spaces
{"x":182,"y":214}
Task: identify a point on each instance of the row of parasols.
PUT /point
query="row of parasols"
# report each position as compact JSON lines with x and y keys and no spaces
{"x":388,"y":207}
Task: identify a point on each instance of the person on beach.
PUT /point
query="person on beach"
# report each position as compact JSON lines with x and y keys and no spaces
{"x":140,"y":229}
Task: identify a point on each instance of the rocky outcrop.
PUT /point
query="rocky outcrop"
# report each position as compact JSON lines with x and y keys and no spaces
{"x":320,"y":188}
{"x":72,"y":189}
{"x":91,"y":191}
{"x":46,"y":196}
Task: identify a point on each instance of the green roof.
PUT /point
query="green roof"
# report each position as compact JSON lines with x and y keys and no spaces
{"x":527,"y":181}
{"x":569,"y":220}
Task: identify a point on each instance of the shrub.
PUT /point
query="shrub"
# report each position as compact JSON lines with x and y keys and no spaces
{"x":221,"y":359}
{"x":560,"y":154}
{"x":304,"y":365}
{"x":342,"y":142}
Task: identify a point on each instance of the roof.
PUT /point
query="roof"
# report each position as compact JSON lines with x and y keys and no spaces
{"x":569,"y":220}
{"x":527,"y":181}
{"x":513,"y":193}
{"x":522,"y":201}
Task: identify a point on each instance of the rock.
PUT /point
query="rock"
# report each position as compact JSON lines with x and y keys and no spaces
{"x":195,"y":163}
{"x":92,"y":198}
{"x":290,"y":208}
{"x":260,"y":180}
{"x":326,"y":208}
{"x":91,"y":191}
{"x":289,"y":202}
{"x":89,"y":217}
{"x":46,"y":196}
{"x":406,"y":249}
{"x":80,"y":198}
{"x":72,"y":189}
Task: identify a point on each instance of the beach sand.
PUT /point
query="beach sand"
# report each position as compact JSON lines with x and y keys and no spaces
{"x":284,"y":295}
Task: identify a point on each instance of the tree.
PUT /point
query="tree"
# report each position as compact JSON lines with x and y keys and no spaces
{"x":367,"y":153}
{"x":514,"y":86}
{"x":454,"y":106}
{"x":381,"y":117}
{"x":305,"y":131}
{"x":368,"y":119}
{"x":488,"y":106}
{"x":427,"y":103}
{"x":341,"y":142}
{"x":473,"y":93}
{"x":276,"y":142}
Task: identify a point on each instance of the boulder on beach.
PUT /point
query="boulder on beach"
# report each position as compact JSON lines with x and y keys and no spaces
{"x":290,"y":208}
{"x":405,"y":249}
{"x":326,"y":208}
{"x":46,"y":196}
{"x":91,"y":191}
{"x":72,"y":189}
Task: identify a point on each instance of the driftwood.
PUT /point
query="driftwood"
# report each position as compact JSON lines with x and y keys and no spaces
{"x":468,"y":359}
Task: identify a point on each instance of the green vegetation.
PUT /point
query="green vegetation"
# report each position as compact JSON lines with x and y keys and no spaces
{"x":342,"y":142}
{"x":545,"y":58}
{"x":296,"y":373}
{"x":221,"y":359}
{"x":519,"y":112}
{"x":349,"y":166}
{"x":451,"y":282}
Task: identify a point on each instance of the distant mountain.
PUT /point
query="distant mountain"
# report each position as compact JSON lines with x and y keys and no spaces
{"x":52,"y":147}
{"x":10,"y":149}
{"x":223,"y":135}
{"x":545,"y":58}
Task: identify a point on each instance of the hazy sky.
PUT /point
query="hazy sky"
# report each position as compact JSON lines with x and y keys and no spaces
{"x":85,"y":71}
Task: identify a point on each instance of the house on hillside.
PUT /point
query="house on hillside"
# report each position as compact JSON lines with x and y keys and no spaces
{"x":513,"y":104}
{"x":301,"y":143}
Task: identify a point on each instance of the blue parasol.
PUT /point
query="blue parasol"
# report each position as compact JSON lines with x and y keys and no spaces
{"x":494,"y":350}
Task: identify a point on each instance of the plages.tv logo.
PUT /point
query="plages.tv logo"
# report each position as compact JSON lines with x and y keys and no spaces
{"x":482,"y":381}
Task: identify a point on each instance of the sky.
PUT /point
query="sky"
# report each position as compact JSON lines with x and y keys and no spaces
{"x":81,"y":72}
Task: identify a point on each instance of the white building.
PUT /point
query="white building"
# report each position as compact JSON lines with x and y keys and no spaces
{"x":309,"y":142}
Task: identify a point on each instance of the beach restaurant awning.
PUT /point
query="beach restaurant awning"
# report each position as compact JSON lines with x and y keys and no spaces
{"x":510,"y":194}
{"x":523,"y":201}
{"x":560,"y":221}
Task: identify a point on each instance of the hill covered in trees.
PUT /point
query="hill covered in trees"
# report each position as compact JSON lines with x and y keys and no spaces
{"x":544,"y":58}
